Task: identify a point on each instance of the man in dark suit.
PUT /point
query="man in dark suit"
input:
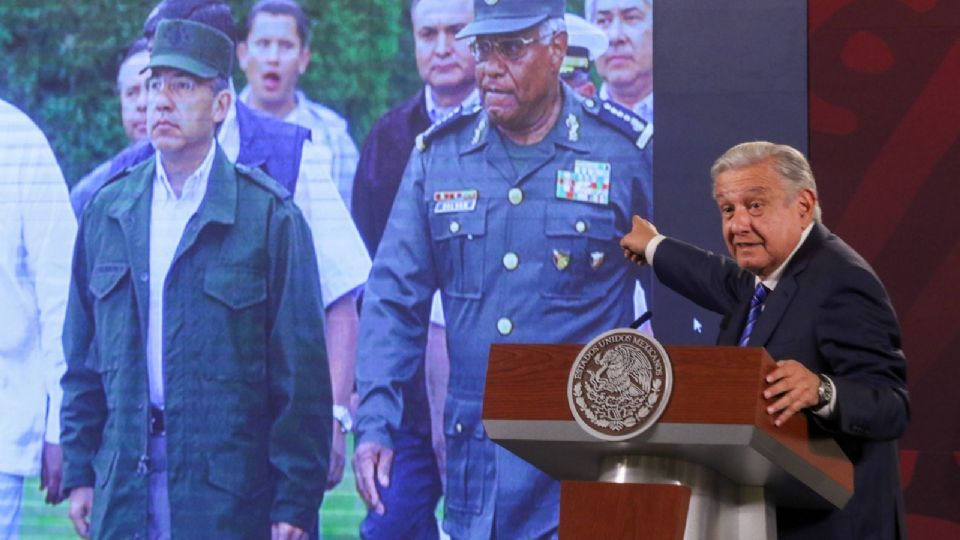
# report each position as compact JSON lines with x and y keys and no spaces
{"x":798,"y":290}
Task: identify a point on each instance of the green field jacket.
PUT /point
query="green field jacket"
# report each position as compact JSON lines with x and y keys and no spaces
{"x":247,"y":387}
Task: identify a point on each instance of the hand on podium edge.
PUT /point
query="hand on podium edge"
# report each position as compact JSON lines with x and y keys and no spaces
{"x":793,"y":387}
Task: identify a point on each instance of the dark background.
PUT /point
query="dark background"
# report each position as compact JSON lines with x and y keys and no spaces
{"x":884,"y":124}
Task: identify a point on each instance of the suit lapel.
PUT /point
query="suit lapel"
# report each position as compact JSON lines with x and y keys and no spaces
{"x":779,"y":300}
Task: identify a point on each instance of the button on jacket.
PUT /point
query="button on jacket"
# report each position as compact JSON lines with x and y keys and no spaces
{"x":510,"y":269}
{"x":246,"y":382}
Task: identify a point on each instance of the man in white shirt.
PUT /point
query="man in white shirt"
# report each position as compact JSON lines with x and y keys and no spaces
{"x":37,"y":231}
{"x":274,"y":51}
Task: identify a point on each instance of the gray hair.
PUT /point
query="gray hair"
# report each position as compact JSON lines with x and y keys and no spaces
{"x":789,"y":163}
{"x":551,"y":27}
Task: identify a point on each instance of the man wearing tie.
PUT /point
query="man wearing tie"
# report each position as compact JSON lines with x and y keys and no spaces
{"x":818,"y":308}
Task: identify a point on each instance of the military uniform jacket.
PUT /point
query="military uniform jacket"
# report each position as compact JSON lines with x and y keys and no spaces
{"x":247,"y":390}
{"x":516,"y":262}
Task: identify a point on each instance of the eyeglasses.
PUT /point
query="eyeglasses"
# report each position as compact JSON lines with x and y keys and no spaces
{"x":178,"y":85}
{"x":511,"y":49}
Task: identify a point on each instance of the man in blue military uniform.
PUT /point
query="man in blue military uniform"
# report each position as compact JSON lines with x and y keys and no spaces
{"x":513,"y":210}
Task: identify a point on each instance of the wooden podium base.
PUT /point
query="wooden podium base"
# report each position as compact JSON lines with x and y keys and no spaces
{"x":595,"y":510}
{"x":658,"y":498}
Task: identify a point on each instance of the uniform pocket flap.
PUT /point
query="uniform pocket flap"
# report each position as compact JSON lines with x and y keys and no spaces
{"x":237,"y":287}
{"x":105,"y":278}
{"x":464,"y":419}
{"x":459,"y":224}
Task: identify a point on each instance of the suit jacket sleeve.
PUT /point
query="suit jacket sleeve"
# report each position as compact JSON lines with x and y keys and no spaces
{"x":859,"y":337}
{"x":712,"y":281}
{"x":299,"y":376}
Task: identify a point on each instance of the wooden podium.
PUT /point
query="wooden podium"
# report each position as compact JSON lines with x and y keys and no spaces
{"x":714,"y":465}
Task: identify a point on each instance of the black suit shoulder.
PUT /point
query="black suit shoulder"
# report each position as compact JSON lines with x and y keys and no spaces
{"x":837,"y":266}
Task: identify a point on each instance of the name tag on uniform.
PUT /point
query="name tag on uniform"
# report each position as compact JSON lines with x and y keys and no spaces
{"x":448,"y":202}
{"x":589,"y":181}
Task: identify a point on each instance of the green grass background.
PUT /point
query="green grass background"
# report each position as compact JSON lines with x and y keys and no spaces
{"x":341,"y":512}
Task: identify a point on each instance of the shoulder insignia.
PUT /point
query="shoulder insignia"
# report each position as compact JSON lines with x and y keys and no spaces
{"x":455,"y":118}
{"x":264,"y":180}
{"x":621,"y":119}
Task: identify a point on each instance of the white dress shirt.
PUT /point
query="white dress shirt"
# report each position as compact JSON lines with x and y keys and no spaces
{"x":37,"y":231}
{"x":169,"y":215}
{"x":436,"y":112}
{"x":341,"y":255}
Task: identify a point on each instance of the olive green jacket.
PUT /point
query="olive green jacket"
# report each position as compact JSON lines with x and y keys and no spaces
{"x":247,"y":386}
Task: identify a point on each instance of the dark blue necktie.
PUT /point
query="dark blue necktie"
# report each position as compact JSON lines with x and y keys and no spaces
{"x":756,"y":307}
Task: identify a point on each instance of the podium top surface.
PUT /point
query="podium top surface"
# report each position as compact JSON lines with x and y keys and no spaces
{"x":716,"y":417}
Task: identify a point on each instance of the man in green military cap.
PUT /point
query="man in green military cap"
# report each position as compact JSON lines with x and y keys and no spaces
{"x":512,"y":209}
{"x":197,"y":393}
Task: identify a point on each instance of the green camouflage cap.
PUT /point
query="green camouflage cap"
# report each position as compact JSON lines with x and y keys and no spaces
{"x":508,"y":16}
{"x":192,"y":47}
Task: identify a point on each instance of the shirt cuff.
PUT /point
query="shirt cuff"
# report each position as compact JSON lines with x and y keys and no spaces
{"x":652,"y":248}
{"x":827,"y":410}
{"x":52,"y":424}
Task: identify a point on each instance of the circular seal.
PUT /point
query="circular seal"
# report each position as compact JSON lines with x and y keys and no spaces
{"x":619,"y":384}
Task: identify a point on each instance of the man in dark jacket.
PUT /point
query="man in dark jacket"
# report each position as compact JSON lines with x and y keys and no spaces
{"x":818,"y":308}
{"x":447,"y":70}
{"x":197,"y":393}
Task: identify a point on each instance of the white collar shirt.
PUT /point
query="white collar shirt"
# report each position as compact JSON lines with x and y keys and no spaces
{"x":436,"y":112}
{"x":774,"y":278}
{"x":169,"y":215}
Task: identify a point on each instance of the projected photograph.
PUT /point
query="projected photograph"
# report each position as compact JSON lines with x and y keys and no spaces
{"x":266,"y":247}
